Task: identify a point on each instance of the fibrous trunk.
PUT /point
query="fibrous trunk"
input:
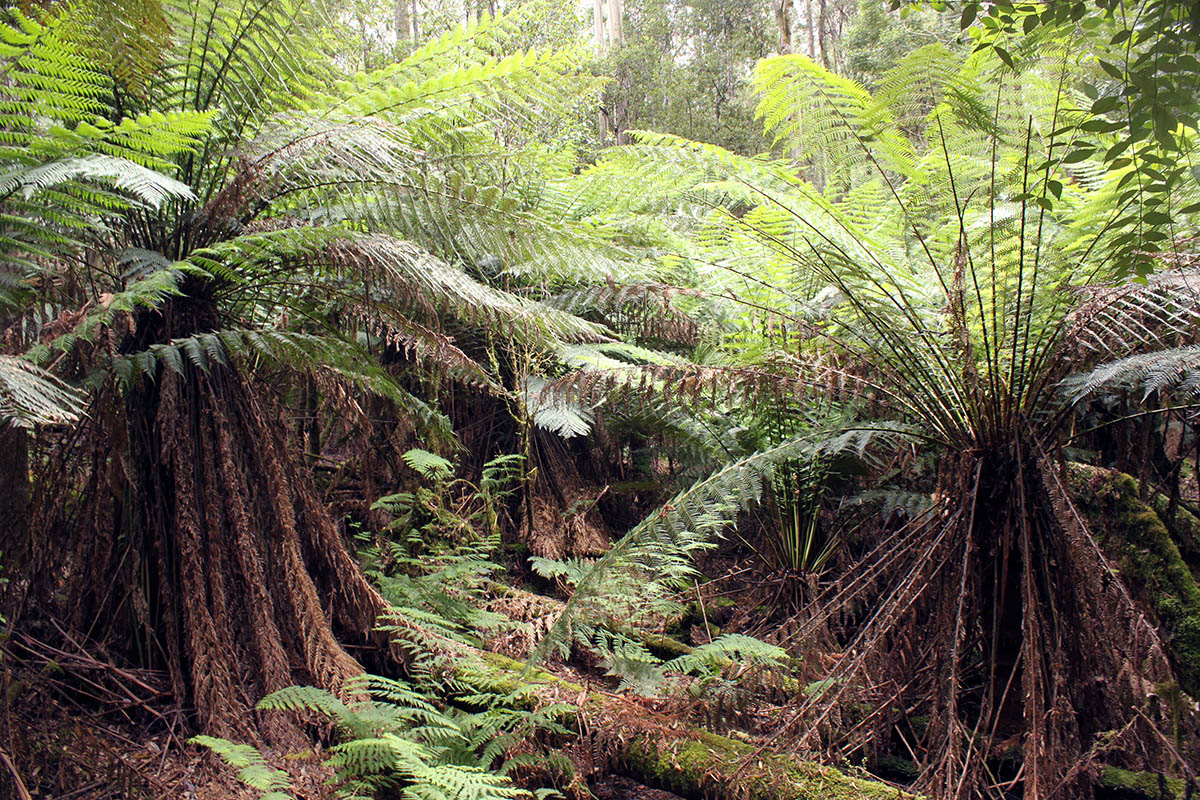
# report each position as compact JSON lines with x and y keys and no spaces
{"x":996,"y":617}
{"x":234,"y":571}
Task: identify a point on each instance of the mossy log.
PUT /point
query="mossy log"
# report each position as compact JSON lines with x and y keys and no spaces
{"x":1184,"y":526}
{"x":1124,"y":784}
{"x":1149,"y":561}
{"x":665,"y":753}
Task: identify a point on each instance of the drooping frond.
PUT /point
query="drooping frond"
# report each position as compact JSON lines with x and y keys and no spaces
{"x":1176,"y":370}
{"x":642,"y":311}
{"x":1115,"y":320}
{"x":31,"y":396}
{"x":146,"y":185}
{"x":555,"y":413}
{"x":679,"y":386}
{"x":413,"y":281}
{"x":289,"y":350}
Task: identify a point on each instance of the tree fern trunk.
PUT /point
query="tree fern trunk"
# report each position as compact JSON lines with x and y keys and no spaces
{"x":14,"y":477}
{"x":245,"y":571}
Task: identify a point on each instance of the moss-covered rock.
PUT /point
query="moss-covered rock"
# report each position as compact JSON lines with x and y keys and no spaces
{"x":1135,"y":538}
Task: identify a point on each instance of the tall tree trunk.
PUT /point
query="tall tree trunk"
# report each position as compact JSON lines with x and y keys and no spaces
{"x":615,"y":23}
{"x":403,"y":20}
{"x":822,"y":33}
{"x":808,"y":22}
{"x":598,"y":25}
{"x":783,"y":19}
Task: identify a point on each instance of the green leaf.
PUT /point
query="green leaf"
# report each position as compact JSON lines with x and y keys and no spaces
{"x":1113,"y":70}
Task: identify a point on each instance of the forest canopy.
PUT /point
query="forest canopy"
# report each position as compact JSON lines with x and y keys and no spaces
{"x":764,"y":399}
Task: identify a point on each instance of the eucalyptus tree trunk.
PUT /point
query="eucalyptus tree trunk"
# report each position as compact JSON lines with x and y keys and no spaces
{"x":598,"y":25}
{"x":783,"y":19}
{"x":615,"y":29}
{"x":809,"y":23}
{"x":822,"y":33}
{"x":403,"y":20}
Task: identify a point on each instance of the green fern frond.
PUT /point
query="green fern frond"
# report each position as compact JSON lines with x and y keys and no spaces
{"x":428,"y":465}
{"x":1174,"y":370}
{"x":308,"y":698}
{"x":252,"y":769}
{"x":31,"y":396}
{"x":805,"y":104}
{"x":145,"y":185}
{"x":715,"y":655}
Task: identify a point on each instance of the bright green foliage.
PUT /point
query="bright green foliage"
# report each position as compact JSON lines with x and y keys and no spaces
{"x":395,"y":737}
{"x":252,"y":769}
{"x":1140,"y":104}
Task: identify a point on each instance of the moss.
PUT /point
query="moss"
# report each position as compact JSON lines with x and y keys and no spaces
{"x":1185,"y":530}
{"x":710,"y":765}
{"x":664,"y":646}
{"x":1129,"y":785}
{"x":1134,"y":536}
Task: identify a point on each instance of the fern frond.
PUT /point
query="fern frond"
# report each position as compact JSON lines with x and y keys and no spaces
{"x":428,"y":465}
{"x":1174,"y":370}
{"x":31,"y":396}
{"x":147,"y":186}
{"x":807,"y":105}
{"x":553,"y":413}
{"x":643,"y":311}
{"x":252,"y":769}
{"x":656,"y":554}
{"x":727,"y":647}
{"x":307,"y":698}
